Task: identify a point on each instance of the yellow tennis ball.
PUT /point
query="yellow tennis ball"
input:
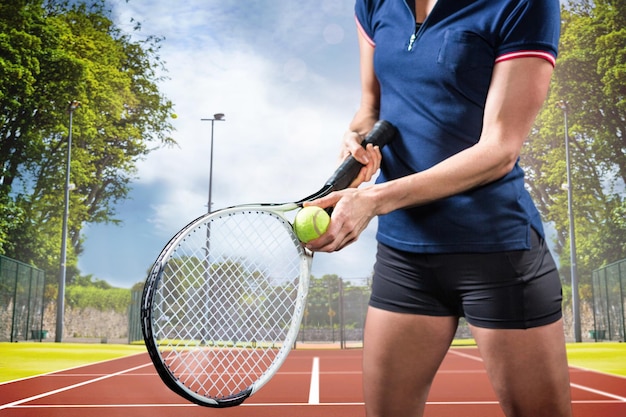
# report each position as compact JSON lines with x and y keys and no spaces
{"x":174,"y":116}
{"x":310,"y":223}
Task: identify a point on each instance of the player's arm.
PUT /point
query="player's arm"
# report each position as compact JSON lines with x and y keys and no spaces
{"x":367,"y":114}
{"x":369,"y":107}
{"x":517,"y":92}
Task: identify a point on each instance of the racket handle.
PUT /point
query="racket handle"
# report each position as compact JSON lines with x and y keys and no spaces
{"x":381,"y":134}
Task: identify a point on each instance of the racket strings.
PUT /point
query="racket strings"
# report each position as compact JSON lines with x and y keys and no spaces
{"x":225,"y":301}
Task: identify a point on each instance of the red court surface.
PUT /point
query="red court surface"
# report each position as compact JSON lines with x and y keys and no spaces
{"x":131,"y":387}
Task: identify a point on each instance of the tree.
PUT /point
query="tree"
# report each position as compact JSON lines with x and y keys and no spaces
{"x":50,"y":54}
{"x":322,"y":301}
{"x":590,"y":77}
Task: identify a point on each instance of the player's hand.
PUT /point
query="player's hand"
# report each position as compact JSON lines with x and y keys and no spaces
{"x":352,"y":213}
{"x":369,"y":156}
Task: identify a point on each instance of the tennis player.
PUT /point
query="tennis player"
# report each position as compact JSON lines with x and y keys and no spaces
{"x":458,"y":234}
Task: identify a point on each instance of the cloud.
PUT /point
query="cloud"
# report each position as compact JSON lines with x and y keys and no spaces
{"x":273,"y":144}
{"x":286,"y":76}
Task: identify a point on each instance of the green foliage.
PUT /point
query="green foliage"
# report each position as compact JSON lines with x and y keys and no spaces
{"x":103,"y":299}
{"x":10,"y":216}
{"x":138,"y":286}
{"x":51,"y":53}
{"x":327,"y":296}
{"x":87,"y":291}
{"x":590,"y":77}
{"x":90,"y":281}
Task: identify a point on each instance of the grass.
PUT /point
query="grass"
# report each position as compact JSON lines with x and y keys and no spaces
{"x":609,"y":357}
{"x":24,"y":359}
{"x":21,"y":360}
{"x":464,"y":342}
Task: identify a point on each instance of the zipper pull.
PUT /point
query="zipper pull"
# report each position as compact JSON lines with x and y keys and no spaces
{"x":414,"y":36}
{"x":412,"y":41}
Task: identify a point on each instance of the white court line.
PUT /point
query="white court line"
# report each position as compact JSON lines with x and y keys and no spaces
{"x":69,"y":387}
{"x":58,"y":371}
{"x":595,"y":371}
{"x":248,"y":405}
{"x":595,"y":391}
{"x":314,"y":389}
{"x":578,"y":386}
{"x":313,"y":394}
{"x":466,"y":355}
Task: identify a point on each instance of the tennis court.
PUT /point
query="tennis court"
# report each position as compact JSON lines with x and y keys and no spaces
{"x":312,"y":382}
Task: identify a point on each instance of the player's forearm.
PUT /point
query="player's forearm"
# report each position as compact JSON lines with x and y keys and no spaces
{"x":369,"y":108}
{"x":517,"y":92}
{"x":364,"y":120}
{"x":466,"y":170}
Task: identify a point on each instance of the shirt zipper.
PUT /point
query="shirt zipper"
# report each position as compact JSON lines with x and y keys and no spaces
{"x":418,"y":26}
{"x":414,"y":36}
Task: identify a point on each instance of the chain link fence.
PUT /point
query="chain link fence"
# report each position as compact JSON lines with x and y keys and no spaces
{"x":334,"y":314}
{"x":609,"y":298}
{"x":134,"y":318}
{"x":21,"y":301}
{"x":335,"y":311}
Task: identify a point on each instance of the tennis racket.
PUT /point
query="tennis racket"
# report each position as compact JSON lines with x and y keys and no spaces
{"x":222,"y":304}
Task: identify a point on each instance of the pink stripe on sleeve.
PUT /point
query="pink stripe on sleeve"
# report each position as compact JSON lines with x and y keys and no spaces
{"x":526,"y":54}
{"x":362,"y":31}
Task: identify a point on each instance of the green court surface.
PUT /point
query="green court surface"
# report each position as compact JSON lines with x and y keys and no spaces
{"x":21,"y":360}
{"x":24,"y":359}
{"x":609,"y":357}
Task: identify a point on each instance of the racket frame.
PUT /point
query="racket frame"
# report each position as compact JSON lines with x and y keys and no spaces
{"x":382,"y":133}
{"x":306,"y":257}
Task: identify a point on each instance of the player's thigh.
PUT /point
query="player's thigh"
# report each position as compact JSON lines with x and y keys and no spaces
{"x":401,"y":355}
{"x":527,"y":368}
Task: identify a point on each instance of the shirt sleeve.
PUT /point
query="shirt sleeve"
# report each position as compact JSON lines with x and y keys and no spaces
{"x":363,"y":11}
{"x":532,"y":29}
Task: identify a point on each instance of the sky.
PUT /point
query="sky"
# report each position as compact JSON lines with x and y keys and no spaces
{"x":285,"y":74}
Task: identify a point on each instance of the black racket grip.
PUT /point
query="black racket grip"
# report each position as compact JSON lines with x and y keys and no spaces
{"x":381,"y":134}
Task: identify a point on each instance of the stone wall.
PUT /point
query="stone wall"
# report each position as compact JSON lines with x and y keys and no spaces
{"x":586,"y":321}
{"x":90,"y":324}
{"x":86,"y":324}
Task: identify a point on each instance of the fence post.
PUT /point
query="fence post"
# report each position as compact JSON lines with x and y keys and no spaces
{"x":621,"y":295}
{"x":14,"y":304}
{"x":594,"y":280}
{"x":342,"y":329}
{"x":29,"y":327}
{"x":608,"y":311}
{"x":41,"y":284}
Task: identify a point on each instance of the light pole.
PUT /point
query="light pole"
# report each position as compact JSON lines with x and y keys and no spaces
{"x":209,"y":306}
{"x":217,"y":117}
{"x":72,"y":105}
{"x":572,"y":238}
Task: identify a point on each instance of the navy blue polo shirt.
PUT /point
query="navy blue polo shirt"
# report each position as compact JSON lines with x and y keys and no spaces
{"x":434,"y":84}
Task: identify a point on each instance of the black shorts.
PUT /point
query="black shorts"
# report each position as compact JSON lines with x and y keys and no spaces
{"x":503,"y":290}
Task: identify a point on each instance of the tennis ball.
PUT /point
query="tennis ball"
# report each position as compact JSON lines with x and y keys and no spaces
{"x":310,"y":223}
{"x":174,"y":116}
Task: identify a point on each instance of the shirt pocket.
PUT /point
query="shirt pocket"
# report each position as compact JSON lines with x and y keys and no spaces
{"x":468,"y":60}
